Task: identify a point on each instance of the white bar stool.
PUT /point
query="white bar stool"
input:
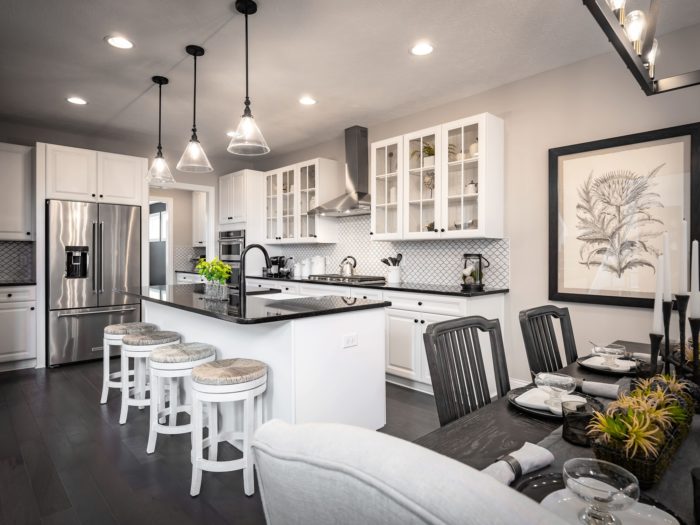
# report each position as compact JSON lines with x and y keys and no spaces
{"x":113,"y":335}
{"x":168,"y":364}
{"x":228,"y":380}
{"x":138,"y":347}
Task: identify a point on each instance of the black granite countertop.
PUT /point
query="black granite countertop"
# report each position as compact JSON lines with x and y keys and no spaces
{"x":24,"y":283}
{"x":437,"y":289}
{"x":255,"y":308}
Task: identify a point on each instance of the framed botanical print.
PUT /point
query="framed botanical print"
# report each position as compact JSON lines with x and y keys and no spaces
{"x":610,"y":201}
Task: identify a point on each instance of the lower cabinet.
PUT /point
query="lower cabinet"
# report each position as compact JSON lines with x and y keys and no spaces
{"x":405,"y":351}
{"x":189,"y":278}
{"x":18,"y":329}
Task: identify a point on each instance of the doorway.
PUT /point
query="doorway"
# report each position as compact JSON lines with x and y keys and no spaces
{"x":160,"y":252}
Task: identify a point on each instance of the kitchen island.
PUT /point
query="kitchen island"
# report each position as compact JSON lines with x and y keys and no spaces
{"x":326,"y":355}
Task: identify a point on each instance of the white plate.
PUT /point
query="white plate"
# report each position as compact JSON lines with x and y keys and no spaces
{"x":566,"y":505}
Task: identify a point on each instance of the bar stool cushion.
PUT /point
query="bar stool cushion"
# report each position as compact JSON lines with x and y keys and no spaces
{"x":129,"y":328}
{"x":182,"y":352}
{"x":151,"y":338}
{"x":229,"y":371}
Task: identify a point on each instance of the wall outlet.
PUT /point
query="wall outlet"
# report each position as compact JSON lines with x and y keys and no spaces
{"x":349,"y":340}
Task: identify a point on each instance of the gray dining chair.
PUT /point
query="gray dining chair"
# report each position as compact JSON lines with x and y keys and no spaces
{"x":323,"y":473}
{"x":540,"y":338}
{"x":457,"y":367}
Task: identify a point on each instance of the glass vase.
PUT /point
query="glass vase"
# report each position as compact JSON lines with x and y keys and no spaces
{"x":216,"y":291}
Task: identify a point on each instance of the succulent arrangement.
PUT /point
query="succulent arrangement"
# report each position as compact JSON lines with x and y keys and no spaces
{"x":214,"y":270}
{"x":640,"y":423}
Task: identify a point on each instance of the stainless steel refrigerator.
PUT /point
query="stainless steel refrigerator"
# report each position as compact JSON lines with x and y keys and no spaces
{"x":92,"y":249}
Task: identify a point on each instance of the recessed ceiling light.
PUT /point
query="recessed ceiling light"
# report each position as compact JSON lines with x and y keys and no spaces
{"x":77,"y":100}
{"x":422,"y":48}
{"x":119,"y":42}
{"x":307,"y":100}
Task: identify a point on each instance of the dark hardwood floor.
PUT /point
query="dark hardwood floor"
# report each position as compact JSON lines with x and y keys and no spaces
{"x":64,"y":458}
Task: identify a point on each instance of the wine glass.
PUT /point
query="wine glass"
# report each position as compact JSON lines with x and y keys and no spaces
{"x":604,"y":486}
{"x":556,"y":385}
{"x":611,"y":353}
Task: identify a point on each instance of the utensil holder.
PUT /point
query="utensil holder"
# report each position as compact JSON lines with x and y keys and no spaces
{"x":393,"y":275}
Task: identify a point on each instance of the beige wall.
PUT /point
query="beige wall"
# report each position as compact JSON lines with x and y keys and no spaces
{"x":181,"y":214}
{"x":592,"y":99}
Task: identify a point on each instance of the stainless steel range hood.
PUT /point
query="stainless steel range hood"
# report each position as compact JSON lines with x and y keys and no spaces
{"x":356,"y":199}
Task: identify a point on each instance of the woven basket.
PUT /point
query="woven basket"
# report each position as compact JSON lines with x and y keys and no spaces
{"x":649,"y":471}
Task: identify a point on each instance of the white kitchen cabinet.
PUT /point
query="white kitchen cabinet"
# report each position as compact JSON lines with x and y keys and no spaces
{"x":16,"y":176}
{"x":71,"y":173}
{"x":448,"y":182}
{"x":281,"y":284}
{"x":199,"y":219}
{"x":401,"y":355}
{"x":120,"y":178}
{"x":94,"y":176}
{"x":17,"y":323}
{"x":189,"y":278}
{"x":291,"y":191}
{"x":232,"y":198}
{"x":319,"y":290}
{"x":386,"y":189}
{"x":366,"y":293}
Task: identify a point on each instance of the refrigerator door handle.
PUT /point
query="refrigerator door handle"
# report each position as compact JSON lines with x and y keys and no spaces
{"x":97,"y":312}
{"x":102,"y":245}
{"x":94,"y":255}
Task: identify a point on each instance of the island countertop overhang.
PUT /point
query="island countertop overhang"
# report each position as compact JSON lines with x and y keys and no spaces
{"x":256,"y":309}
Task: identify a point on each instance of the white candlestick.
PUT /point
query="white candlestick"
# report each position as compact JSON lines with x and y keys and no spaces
{"x":683,"y":288}
{"x":694,"y":283}
{"x":657,"y":326}
{"x":667,"y":269}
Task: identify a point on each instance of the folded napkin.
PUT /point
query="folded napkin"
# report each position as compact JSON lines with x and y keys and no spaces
{"x":536,"y":397}
{"x":621,"y":365}
{"x":595,"y":388}
{"x":531,"y":457}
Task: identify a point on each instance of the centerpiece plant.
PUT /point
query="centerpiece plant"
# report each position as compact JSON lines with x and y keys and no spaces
{"x":641,"y":430}
{"x":216,"y":272}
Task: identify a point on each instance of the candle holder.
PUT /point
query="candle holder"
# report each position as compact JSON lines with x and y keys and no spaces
{"x":646,"y":370}
{"x":666,"y":308}
{"x":682,"y":305}
{"x":694,"y":330}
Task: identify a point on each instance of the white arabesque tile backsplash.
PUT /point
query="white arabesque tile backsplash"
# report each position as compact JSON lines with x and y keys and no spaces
{"x":430,"y":262}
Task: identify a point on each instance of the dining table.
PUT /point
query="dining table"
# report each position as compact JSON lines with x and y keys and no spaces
{"x":484,"y":435}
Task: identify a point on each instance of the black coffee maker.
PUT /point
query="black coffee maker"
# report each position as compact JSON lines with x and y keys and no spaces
{"x":277,"y":262}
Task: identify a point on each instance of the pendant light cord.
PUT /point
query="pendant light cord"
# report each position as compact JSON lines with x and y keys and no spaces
{"x":246,"y":112}
{"x":194,"y":102}
{"x":160,"y":107}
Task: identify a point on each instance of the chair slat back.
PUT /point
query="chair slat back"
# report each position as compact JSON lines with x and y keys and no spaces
{"x":540,"y":338}
{"x":457,"y":368}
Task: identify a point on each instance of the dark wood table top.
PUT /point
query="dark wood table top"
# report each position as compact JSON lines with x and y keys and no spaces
{"x":479,"y":438}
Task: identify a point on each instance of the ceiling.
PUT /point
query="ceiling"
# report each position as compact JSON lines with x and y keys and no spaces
{"x":351,"y":55}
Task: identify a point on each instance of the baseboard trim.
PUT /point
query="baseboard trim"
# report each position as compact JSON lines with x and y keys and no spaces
{"x":409,"y":383}
{"x":17,"y":365}
{"x":517,"y":383}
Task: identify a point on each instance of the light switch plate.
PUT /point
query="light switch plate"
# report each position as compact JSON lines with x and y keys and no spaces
{"x":350,"y":340}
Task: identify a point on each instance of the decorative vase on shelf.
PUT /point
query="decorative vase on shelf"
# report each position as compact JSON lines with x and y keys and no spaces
{"x":429,"y":162}
{"x":215,"y":291}
{"x":474,"y":148}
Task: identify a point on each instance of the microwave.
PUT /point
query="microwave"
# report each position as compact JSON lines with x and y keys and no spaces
{"x":231,"y":245}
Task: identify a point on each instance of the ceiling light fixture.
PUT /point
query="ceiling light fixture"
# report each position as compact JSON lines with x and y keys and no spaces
{"x":159,"y":172}
{"x":632,"y":36}
{"x":193,"y":159}
{"x":422,"y":48}
{"x":307,"y":100}
{"x":248,"y":139}
{"x":78,"y":101}
{"x":120,"y":42}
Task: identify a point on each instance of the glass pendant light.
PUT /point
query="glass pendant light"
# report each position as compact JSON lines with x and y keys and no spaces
{"x":194,"y":159}
{"x":635,"y":23}
{"x":651,"y":58}
{"x":159,"y":172}
{"x":247,"y":139}
{"x":618,"y":7}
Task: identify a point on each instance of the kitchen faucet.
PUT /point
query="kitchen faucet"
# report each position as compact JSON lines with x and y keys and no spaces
{"x":241,"y":276}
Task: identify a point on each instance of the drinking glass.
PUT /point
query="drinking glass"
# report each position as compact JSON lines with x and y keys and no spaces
{"x":610,"y":353}
{"x":556,"y":385}
{"x":604,"y":486}
{"x":577,"y":415}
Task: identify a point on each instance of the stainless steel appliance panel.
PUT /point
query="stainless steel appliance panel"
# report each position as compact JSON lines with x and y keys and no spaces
{"x":119,"y":237}
{"x":76,"y":335}
{"x":71,"y":226}
{"x":231,"y":245}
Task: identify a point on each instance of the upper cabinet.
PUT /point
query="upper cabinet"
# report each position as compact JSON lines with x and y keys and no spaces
{"x":16,"y":198}
{"x":289,"y":194}
{"x":93,"y":176}
{"x":232,"y":198}
{"x":440,"y":182}
{"x":199,"y":219}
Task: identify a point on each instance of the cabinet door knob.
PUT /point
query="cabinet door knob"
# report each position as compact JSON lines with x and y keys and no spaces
{"x":101,"y":196}
{"x":29,"y":233}
{"x":415,"y":320}
{"x":435,"y":230}
{"x":9,"y":295}
{"x":93,"y":194}
{"x":371,"y":233}
{"x":442,"y":229}
{"x":364,"y":297}
{"x":31,"y":308}
{"x":422,"y":321}
{"x":420,"y":303}
{"x":230,"y":218}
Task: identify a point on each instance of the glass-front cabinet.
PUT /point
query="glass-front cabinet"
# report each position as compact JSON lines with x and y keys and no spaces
{"x":272,"y":206}
{"x":422,"y":155}
{"x":387,"y":188}
{"x":307,"y":201}
{"x":448,"y":182}
{"x":288,"y":203}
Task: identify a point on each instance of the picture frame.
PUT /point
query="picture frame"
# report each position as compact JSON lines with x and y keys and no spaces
{"x":610,"y":201}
